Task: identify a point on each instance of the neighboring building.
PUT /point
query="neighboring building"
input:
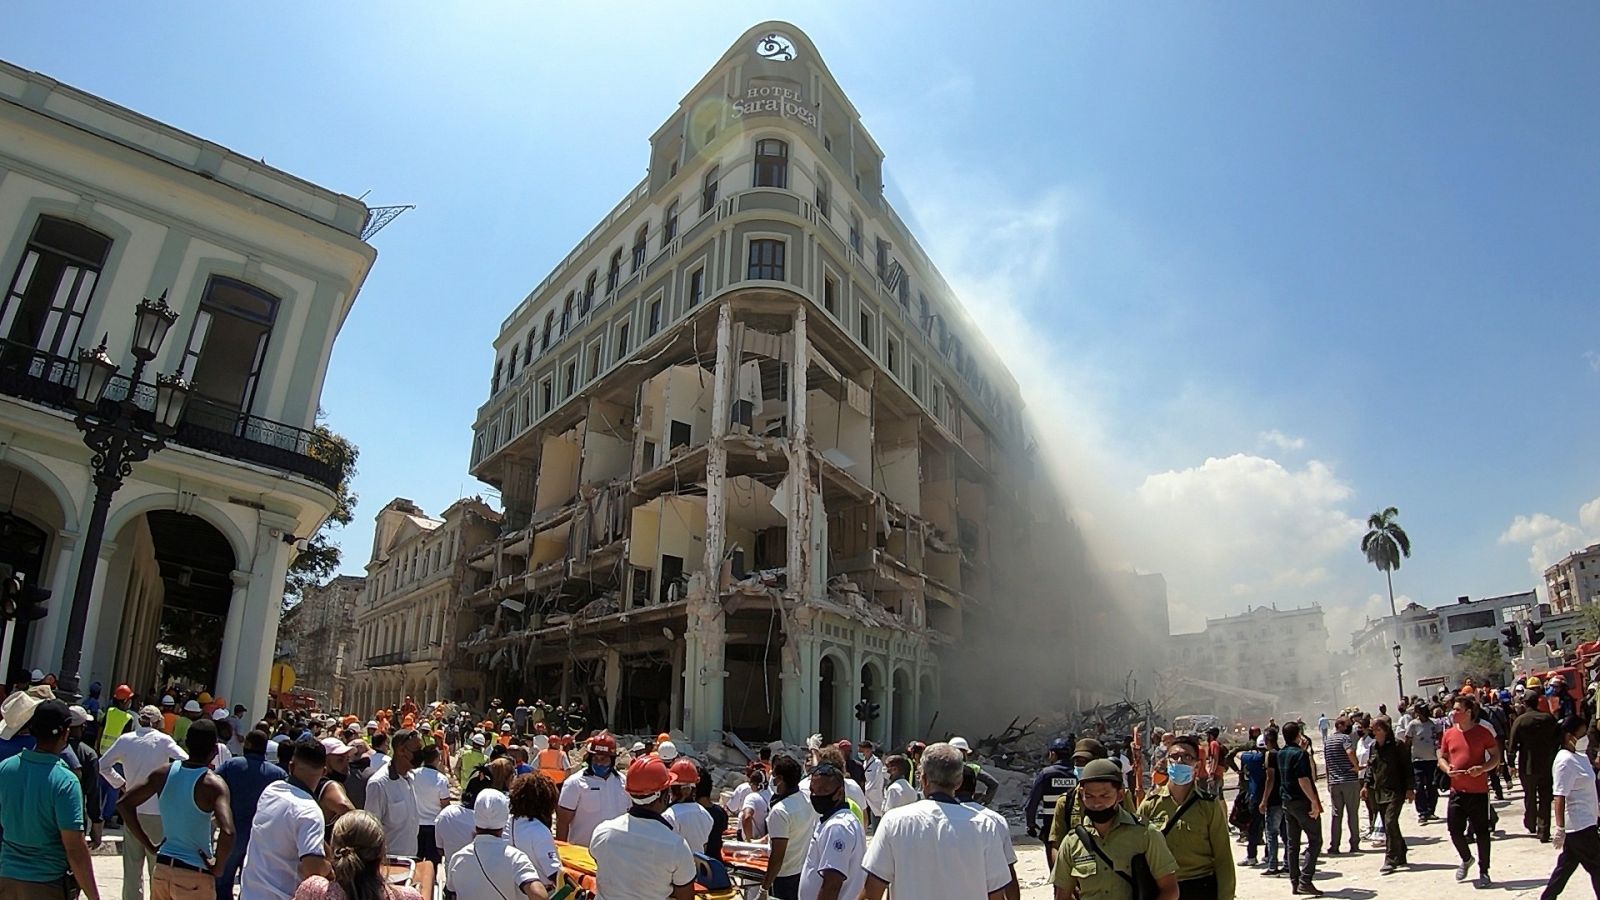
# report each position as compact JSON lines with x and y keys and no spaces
{"x":407,"y":620}
{"x":316,"y":638}
{"x":1247,"y":651}
{"x":1431,"y":638}
{"x":101,"y":207}
{"x":1575,"y":580}
{"x":756,"y":461}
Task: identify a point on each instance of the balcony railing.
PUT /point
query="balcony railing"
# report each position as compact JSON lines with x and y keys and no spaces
{"x":388,"y":659}
{"x":43,"y":378}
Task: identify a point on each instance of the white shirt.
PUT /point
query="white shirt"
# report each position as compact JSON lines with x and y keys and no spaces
{"x":691,"y":821}
{"x":759,"y":803}
{"x":533,"y":838}
{"x":1574,"y":780}
{"x":638,"y":857}
{"x":934,"y":849}
{"x":141,"y":752}
{"x":736,"y":802}
{"x":875,"y":789}
{"x":430,"y":787}
{"x":899,"y":794}
{"x":592,"y":800}
{"x":377,"y":760}
{"x":453,"y":829}
{"x":999,"y":822}
{"x":792,"y":818}
{"x":837,"y":845}
{"x":852,"y":791}
{"x":490,"y":869}
{"x":394,"y":802}
{"x":223,"y":755}
{"x":287,"y":826}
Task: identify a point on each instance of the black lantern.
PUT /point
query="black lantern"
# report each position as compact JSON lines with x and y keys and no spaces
{"x":150,"y":326}
{"x":172,"y":392}
{"x":95,"y":369}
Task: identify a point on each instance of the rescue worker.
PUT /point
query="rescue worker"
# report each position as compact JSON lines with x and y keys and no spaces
{"x":990,"y":786}
{"x":1068,"y":812}
{"x":594,"y":794}
{"x":686,"y":816}
{"x":1096,"y":860}
{"x":1195,"y":825}
{"x":116,"y":718}
{"x":1056,"y":778}
{"x":550,"y":761}
{"x":637,"y":854}
{"x":180,"y":725}
{"x":471,"y":758}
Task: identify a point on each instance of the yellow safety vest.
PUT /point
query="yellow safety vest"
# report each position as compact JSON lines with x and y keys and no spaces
{"x":116,"y":720}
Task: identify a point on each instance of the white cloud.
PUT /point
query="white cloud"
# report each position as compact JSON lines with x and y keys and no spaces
{"x":1549,"y":539}
{"x":1282,"y":441}
{"x":1593,"y":359}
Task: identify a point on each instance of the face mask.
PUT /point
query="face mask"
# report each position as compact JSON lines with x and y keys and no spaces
{"x":1101,"y":816}
{"x":1077,"y":771}
{"x":824,"y":805}
{"x":600,"y":770}
{"x":1180,"y":773}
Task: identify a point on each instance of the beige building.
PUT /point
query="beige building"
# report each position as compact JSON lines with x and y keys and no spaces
{"x":1283,"y":652}
{"x":407,"y":620}
{"x":100,"y":208}
{"x":1575,"y":580}
{"x":316,"y":638}
{"x":756,"y":461}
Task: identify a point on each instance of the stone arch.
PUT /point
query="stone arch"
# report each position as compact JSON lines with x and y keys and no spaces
{"x":27,"y":463}
{"x":874,"y":689}
{"x":833,"y":695}
{"x":243,"y":549}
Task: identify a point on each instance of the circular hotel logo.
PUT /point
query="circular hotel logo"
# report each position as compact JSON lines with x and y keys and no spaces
{"x":775,"y":46}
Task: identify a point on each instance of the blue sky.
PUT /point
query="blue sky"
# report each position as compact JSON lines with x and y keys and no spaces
{"x":1261,"y":269}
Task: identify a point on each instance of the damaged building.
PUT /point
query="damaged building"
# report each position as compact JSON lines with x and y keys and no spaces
{"x":756,"y":461}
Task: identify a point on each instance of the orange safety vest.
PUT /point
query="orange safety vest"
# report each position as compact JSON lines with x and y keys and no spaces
{"x":550,"y":765}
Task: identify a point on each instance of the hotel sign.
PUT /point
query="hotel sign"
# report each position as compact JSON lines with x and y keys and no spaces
{"x":770,"y":100}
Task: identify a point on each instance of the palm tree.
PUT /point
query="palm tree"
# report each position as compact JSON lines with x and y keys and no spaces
{"x":1384,"y":544}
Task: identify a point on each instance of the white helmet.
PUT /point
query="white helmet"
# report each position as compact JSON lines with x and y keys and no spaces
{"x":960,"y":743}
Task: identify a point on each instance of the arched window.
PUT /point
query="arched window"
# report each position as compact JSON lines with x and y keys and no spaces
{"x":225,"y":352}
{"x":588,"y":293}
{"x":772,"y":163}
{"x":50,"y":292}
{"x":566,"y":311}
{"x":614,"y":271}
{"x":640,"y":238}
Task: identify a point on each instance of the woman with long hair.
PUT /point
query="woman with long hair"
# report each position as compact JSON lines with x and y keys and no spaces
{"x":357,"y":852}
{"x":534,"y":797}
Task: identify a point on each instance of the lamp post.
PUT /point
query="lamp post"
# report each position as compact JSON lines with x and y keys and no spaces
{"x":1398,"y":680}
{"x":119,"y":433}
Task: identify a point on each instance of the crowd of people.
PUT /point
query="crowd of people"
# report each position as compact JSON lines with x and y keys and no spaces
{"x":213,"y":804}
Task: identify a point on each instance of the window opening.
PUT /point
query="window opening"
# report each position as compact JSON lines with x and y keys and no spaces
{"x":766,"y":259}
{"x":772,"y":163}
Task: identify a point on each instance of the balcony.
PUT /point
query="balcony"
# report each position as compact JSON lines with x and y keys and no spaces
{"x":29,"y":374}
{"x":388,"y":659}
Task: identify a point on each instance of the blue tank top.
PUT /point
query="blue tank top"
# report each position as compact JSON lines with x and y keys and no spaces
{"x":187,"y":826}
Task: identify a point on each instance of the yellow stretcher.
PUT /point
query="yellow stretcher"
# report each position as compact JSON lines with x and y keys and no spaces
{"x":578,"y":869}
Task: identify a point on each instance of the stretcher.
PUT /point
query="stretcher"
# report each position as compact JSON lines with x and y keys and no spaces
{"x":578,"y":869}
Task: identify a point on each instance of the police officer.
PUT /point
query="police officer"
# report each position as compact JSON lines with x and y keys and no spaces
{"x":1096,"y":861}
{"x":1056,"y":778}
{"x":1068,"y":812}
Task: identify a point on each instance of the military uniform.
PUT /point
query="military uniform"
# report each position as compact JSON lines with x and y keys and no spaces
{"x":1068,"y":814}
{"x":1079,"y":866}
{"x":1199,"y":842}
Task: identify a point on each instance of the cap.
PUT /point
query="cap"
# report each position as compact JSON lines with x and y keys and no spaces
{"x":334,"y":746}
{"x":192,"y":706}
{"x":1058,"y":745}
{"x":1089,"y":748}
{"x":150,"y":713}
{"x":167,"y":700}
{"x":1101,"y":770}
{"x":479,"y":740}
{"x":217,"y":715}
{"x":667,"y":750}
{"x":77,"y":715}
{"x":844,"y":747}
{"x":49,"y":719}
{"x":647,"y":777}
{"x":122,"y":692}
{"x":36,"y":676}
{"x":960,"y":743}
{"x":492,"y":810}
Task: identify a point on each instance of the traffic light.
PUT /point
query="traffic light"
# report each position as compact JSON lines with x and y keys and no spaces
{"x":19,"y":600}
{"x":872,"y":710}
{"x":1535,"y":633}
{"x":861,"y":710}
{"x":1513,"y":640}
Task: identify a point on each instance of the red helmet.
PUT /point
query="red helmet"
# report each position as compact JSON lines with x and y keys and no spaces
{"x":844,"y":746}
{"x":123,"y":692}
{"x":604,"y":743}
{"x":648,"y":775}
{"x":684,"y":771}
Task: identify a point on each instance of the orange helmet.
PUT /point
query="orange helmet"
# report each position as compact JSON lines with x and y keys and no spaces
{"x":683,"y":771}
{"x":648,"y":775}
{"x":123,"y":692}
{"x":663,"y":737}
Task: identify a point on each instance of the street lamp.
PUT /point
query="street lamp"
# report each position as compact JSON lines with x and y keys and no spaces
{"x":1399,"y":681}
{"x":119,"y":433}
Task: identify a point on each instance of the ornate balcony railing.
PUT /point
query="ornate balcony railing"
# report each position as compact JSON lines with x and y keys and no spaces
{"x":44,"y":378}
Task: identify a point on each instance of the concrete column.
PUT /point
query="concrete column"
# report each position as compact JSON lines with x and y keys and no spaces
{"x":613,"y":686}
{"x":258,"y":632}
{"x":707,"y":623}
{"x":237,"y":602}
{"x":799,"y":703}
{"x":679,"y":651}
{"x":798,"y":450}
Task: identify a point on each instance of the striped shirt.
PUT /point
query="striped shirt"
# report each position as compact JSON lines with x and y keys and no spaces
{"x":1336,"y":758}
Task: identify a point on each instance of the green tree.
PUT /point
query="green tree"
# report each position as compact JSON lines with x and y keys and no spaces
{"x":320,"y":559}
{"x":1588,"y":622}
{"x":1384,"y":544}
{"x":1482,"y":662}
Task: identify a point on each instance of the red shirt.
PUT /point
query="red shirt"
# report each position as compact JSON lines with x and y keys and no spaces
{"x":1463,"y":750}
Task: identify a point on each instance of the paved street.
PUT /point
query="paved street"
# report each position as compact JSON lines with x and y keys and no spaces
{"x":1521,"y":866}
